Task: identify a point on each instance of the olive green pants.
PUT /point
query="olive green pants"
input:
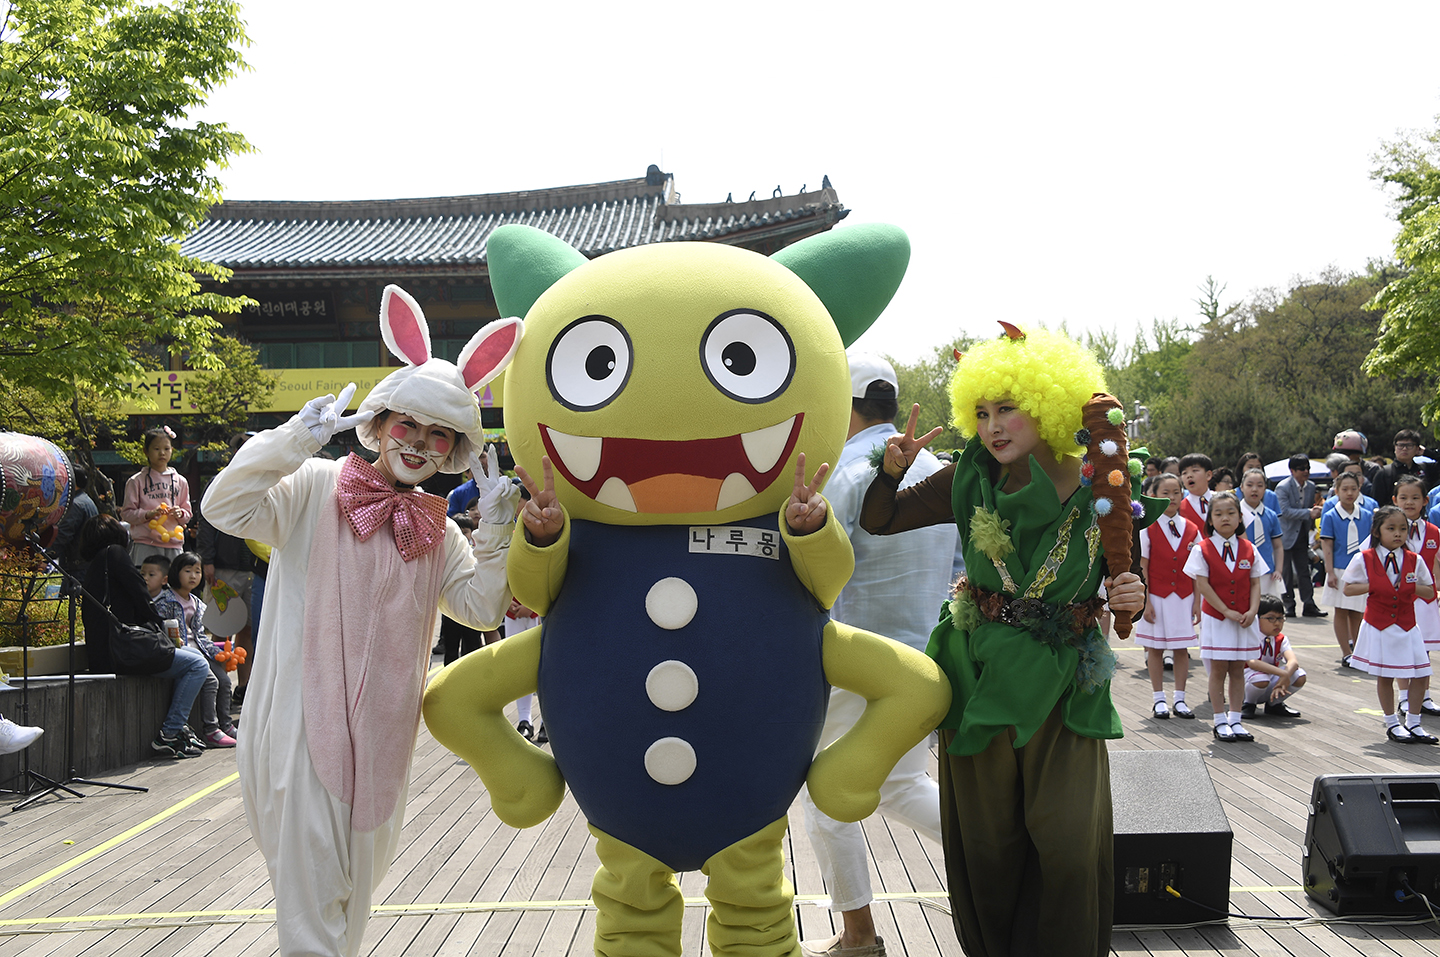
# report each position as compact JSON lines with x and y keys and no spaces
{"x":1029,"y":844}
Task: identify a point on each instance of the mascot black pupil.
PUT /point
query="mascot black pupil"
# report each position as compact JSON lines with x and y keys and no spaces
{"x":739,"y":358}
{"x":600,"y":362}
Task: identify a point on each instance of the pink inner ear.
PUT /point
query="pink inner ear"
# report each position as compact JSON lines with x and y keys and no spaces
{"x":405,"y":328}
{"x":490,"y":354}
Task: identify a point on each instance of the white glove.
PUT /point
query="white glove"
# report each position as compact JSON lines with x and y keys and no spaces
{"x":499,"y":496}
{"x":325,"y":416}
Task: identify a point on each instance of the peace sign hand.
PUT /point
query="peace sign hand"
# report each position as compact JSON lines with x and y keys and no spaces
{"x":805,"y":512}
{"x":544,"y":519}
{"x":901,"y":450}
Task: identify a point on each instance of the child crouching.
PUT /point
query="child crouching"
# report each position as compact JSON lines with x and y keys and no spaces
{"x":1276,"y":675}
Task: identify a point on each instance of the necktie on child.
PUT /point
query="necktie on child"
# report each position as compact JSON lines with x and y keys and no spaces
{"x":1203,"y":505}
{"x":1392,"y":568}
{"x":1352,"y":534}
{"x":1228,"y":555}
{"x":1415,"y":535}
{"x":1173,"y":530}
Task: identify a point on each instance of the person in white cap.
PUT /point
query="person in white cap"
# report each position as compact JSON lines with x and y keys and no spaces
{"x":362,"y":561}
{"x":899,"y":583}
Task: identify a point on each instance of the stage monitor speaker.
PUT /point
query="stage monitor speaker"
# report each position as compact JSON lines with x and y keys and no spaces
{"x":1170,"y":829}
{"x":1367,"y":837}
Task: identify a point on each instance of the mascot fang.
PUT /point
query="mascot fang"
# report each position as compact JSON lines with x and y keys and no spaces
{"x":671,"y":395}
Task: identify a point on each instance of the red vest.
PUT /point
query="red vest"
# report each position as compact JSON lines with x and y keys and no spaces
{"x":1167,"y":558}
{"x":1188,"y":510}
{"x":1232,"y":587}
{"x":1386,"y":605}
{"x":1429,"y":545}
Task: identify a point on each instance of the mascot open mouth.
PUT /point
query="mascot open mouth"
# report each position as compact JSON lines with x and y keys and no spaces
{"x":665,"y":476}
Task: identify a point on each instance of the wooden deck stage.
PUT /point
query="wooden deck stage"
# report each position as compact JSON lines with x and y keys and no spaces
{"x":173,"y":871}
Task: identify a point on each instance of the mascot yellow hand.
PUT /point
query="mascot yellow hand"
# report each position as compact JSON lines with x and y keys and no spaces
{"x":907,"y":695}
{"x":465,"y":711}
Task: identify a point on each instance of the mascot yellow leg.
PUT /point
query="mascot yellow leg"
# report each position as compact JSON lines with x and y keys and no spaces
{"x":465,"y":710}
{"x":752,"y":905}
{"x":639,"y":902}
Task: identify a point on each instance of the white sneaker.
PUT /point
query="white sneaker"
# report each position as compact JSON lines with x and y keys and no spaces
{"x":15,"y":737}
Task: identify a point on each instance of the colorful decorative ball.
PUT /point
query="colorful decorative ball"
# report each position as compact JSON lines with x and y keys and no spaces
{"x":1116,"y":417}
{"x":1137,"y":509}
{"x":1102,"y":506}
{"x":1088,"y":470}
{"x":1085,"y":481}
{"x":1082,"y":437}
{"x":1118,"y":478}
{"x":1109,"y":447}
{"x":1136,"y":468}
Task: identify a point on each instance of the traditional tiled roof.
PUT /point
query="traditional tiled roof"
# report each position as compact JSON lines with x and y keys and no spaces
{"x":448,"y":233}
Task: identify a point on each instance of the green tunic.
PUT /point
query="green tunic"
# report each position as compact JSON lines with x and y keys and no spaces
{"x":1003,"y":675}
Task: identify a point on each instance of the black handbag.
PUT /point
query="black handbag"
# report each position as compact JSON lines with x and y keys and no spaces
{"x":137,"y":649}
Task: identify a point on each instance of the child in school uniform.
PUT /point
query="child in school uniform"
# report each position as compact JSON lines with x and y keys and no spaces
{"x":1172,"y":607}
{"x":1275,"y":675}
{"x":1227,"y":571}
{"x":1390,"y":646}
{"x":1422,"y":538}
{"x":1262,"y":523}
{"x":1196,"y":470}
{"x":1344,"y":530}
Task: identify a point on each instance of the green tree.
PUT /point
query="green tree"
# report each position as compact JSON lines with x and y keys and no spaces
{"x":223,"y":398}
{"x":1408,"y":345}
{"x":1282,"y":373}
{"x":927,"y":382}
{"x":101,"y":174}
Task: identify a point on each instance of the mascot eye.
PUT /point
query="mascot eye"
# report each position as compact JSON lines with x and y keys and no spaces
{"x":748,"y":356}
{"x":589,"y":363}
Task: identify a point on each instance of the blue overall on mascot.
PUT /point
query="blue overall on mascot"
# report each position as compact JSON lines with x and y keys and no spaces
{"x":672,"y":394}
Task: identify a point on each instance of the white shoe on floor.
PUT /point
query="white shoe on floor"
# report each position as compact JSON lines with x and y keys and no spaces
{"x":16,"y":737}
{"x":830,"y":947}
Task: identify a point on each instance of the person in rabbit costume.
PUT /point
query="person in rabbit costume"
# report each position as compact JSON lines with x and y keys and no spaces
{"x":362,"y":561}
{"x":669,"y":398}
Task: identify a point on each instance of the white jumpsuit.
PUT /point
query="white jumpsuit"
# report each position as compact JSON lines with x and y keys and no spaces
{"x":323,"y":865}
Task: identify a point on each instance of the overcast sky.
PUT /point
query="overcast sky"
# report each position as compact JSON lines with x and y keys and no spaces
{"x":1086,"y":163}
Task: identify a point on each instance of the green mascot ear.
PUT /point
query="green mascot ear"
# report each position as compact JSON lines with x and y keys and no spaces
{"x":524,"y":262}
{"x":854,"y":272}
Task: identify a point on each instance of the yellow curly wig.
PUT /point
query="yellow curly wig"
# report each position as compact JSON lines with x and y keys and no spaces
{"x":1049,"y":376}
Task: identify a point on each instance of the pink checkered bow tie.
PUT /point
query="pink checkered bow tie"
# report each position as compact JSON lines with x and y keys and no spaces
{"x":369,"y":501}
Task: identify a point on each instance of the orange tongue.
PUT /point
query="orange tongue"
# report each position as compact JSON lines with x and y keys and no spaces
{"x":675,"y":493}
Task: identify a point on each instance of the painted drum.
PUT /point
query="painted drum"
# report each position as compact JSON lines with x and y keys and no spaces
{"x":35,"y":482}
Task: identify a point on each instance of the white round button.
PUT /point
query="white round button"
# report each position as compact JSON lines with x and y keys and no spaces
{"x":672,"y":685}
{"x":671,"y":603}
{"x":670,"y":761}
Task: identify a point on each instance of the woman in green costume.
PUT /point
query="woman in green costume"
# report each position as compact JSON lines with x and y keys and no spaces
{"x":1025,"y":777}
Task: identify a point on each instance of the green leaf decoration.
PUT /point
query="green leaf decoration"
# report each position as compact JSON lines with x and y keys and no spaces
{"x":991,"y":534}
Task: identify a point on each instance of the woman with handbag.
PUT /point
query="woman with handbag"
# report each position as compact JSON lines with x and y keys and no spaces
{"x":125,"y":636}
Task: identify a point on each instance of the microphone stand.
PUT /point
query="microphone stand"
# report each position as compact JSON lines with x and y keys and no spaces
{"x":33,"y":776}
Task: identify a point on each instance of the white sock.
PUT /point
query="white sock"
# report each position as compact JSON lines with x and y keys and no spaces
{"x":1392,"y":721}
{"x":1235,"y":721}
{"x":1222,"y":718}
{"x":522,"y":708}
{"x":1179,"y":695}
{"x":1412,"y":723}
{"x":1159,"y":697}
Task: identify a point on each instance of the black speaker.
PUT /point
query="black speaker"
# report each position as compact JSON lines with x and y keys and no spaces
{"x":1170,"y":830}
{"x":1369,"y":836}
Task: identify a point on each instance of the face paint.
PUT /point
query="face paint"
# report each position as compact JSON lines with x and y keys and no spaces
{"x":411,"y":449}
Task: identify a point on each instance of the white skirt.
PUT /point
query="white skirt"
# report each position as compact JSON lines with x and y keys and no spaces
{"x":1224,"y":640}
{"x":1427,"y":622}
{"x":1172,"y":627}
{"x":1336,"y":597}
{"x":1391,"y":652}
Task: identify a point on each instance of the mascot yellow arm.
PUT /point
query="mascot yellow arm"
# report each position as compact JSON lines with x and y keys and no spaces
{"x":823,"y":560}
{"x":464,"y":709}
{"x":536,"y":573}
{"x":907,"y":695}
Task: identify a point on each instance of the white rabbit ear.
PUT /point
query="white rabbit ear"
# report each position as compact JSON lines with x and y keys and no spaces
{"x":489,"y":351}
{"x":403,"y":326}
